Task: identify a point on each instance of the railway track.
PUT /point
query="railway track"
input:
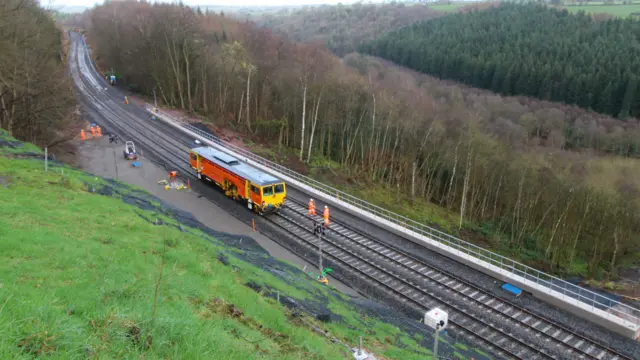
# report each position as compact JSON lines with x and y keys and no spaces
{"x":168,"y":149}
{"x":472,"y":327}
{"x":416,"y":281}
{"x":507,"y":333}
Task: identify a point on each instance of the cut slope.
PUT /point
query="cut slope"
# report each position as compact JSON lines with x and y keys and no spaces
{"x":81,"y":257}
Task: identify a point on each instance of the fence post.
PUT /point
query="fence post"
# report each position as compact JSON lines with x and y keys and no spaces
{"x":46,"y":159}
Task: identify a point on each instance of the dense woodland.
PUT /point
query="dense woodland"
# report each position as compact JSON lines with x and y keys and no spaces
{"x":36,"y":97}
{"x":528,"y":50}
{"x":498,"y":162}
{"x":341,"y":28}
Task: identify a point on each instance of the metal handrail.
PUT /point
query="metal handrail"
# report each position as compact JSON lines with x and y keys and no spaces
{"x":542,"y":279}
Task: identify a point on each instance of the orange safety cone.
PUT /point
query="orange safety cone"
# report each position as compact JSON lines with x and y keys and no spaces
{"x":188,"y":183}
{"x":253,"y":224}
{"x":82,"y":135}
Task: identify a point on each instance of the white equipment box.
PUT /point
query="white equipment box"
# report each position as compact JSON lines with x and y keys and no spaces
{"x":435,"y":317}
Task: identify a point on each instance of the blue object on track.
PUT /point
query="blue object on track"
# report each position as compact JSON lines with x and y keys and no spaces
{"x":136,"y":164}
{"x":512,"y":289}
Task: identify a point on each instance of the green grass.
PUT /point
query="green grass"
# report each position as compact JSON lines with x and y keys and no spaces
{"x":616,"y":10}
{"x":60,"y":256}
{"x":448,"y":7}
{"x":78,"y":272}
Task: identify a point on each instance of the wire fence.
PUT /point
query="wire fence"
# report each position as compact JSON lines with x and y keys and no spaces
{"x":536,"y":278}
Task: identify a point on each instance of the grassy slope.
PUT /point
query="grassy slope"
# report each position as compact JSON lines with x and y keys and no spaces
{"x":619,"y":10}
{"x":78,"y":272}
{"x":71,"y":251}
{"x":448,"y":7}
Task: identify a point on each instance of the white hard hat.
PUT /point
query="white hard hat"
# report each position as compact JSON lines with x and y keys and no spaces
{"x":310,"y":199}
{"x":325,"y":206}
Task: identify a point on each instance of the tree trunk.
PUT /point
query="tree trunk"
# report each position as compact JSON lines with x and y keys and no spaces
{"x":558,"y":224}
{"x":465,"y":187}
{"x":578,"y":232}
{"x":453,"y":175}
{"x":313,"y":126}
{"x":615,"y":251}
{"x":304,"y":108}
{"x":186,"y":60}
{"x":173,"y":58}
{"x":248,"y":117}
{"x":240,"y":110}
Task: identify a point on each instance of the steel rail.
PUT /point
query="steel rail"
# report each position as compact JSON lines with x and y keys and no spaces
{"x":471,"y":326}
{"x":561,"y":335}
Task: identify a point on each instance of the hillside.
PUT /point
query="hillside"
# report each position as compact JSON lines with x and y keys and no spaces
{"x":504,"y":172}
{"x":342,"y":27}
{"x":530,"y":50}
{"x":92,"y":267}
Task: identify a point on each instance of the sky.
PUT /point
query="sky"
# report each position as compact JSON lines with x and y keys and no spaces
{"x":89,"y":3}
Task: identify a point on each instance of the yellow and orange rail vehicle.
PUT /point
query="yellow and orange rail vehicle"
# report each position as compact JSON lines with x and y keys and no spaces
{"x":261,"y":192}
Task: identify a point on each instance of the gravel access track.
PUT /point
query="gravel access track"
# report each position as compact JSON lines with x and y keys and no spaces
{"x":170,"y":147}
{"x":463,"y":297}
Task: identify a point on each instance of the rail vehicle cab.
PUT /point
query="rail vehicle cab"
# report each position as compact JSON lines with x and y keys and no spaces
{"x":262,"y":192}
{"x":269,"y":197}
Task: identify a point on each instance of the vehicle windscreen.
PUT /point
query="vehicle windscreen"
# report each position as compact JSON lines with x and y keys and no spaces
{"x":279,"y":188}
{"x":267,"y":190}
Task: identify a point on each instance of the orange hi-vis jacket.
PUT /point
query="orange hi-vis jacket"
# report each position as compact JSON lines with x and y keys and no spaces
{"x":326,"y":216}
{"x":312,"y":207}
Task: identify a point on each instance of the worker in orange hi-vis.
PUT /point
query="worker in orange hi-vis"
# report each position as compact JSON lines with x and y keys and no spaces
{"x":98,"y":130}
{"x":172,"y":176}
{"x":82,"y":135}
{"x":93,"y":131}
{"x":326,"y":216}
{"x":312,"y":207}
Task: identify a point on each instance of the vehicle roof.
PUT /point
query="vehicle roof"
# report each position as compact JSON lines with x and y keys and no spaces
{"x":231,"y":163}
